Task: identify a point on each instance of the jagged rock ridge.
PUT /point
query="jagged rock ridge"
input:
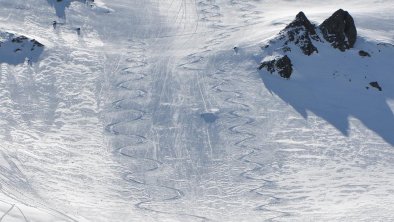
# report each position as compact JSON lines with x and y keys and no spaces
{"x":301,"y":32}
{"x":339,"y":30}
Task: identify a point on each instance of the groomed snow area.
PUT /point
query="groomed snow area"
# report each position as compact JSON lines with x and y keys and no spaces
{"x":150,"y":115}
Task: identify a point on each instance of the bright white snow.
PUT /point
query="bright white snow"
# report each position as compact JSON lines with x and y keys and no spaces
{"x":109,"y":125}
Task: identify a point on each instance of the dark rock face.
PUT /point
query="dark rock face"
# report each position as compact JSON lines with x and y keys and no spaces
{"x":375,"y":85}
{"x":268,"y":65}
{"x":282,"y":65}
{"x":363,"y":53}
{"x":340,"y":30}
{"x":301,"y":32}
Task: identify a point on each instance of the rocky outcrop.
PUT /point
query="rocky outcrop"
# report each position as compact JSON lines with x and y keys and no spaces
{"x":363,"y":53}
{"x":15,"y":49}
{"x":282,"y":65}
{"x":301,"y":32}
{"x":375,"y":85}
{"x":340,"y":30}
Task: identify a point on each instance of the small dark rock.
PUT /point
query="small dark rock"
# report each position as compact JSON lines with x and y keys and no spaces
{"x":236,"y":49}
{"x":282,"y":65}
{"x":363,"y":53}
{"x":375,"y":85}
{"x":340,"y":30}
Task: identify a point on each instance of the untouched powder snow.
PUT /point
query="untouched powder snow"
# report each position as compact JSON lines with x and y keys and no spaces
{"x":145,"y":111}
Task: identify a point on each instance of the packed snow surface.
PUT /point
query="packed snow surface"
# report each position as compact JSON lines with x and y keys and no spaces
{"x":154,"y":110}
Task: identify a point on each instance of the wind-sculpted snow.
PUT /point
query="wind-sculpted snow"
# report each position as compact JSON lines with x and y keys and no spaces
{"x":157,"y":112}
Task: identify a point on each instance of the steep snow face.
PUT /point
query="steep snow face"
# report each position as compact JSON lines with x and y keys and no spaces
{"x":350,"y":73}
{"x":16,"y":49}
{"x":156,"y":112}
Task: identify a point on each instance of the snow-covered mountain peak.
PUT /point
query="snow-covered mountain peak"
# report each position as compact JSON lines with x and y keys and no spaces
{"x":301,"y":32}
{"x":336,"y":32}
{"x":15,"y":49}
{"x":342,"y":65}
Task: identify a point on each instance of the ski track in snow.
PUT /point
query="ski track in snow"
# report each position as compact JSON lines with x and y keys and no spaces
{"x":107,"y":126}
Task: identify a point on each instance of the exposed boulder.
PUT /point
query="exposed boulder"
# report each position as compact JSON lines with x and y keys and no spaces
{"x":340,"y":30}
{"x":301,"y":32}
{"x":363,"y":53}
{"x":282,"y":65}
{"x":376,"y":85}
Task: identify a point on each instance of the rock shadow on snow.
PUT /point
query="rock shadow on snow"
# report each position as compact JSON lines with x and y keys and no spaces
{"x":337,"y":103}
{"x":209,"y":117}
{"x":334,"y":81}
{"x":336,"y":107}
{"x":61,"y":5}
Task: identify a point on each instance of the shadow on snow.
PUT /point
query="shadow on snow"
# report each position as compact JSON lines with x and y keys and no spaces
{"x":336,"y":107}
{"x":61,"y":5}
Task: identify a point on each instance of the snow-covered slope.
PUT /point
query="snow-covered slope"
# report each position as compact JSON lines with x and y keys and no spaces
{"x":16,"y":49}
{"x":150,"y":114}
{"x":332,"y":83}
